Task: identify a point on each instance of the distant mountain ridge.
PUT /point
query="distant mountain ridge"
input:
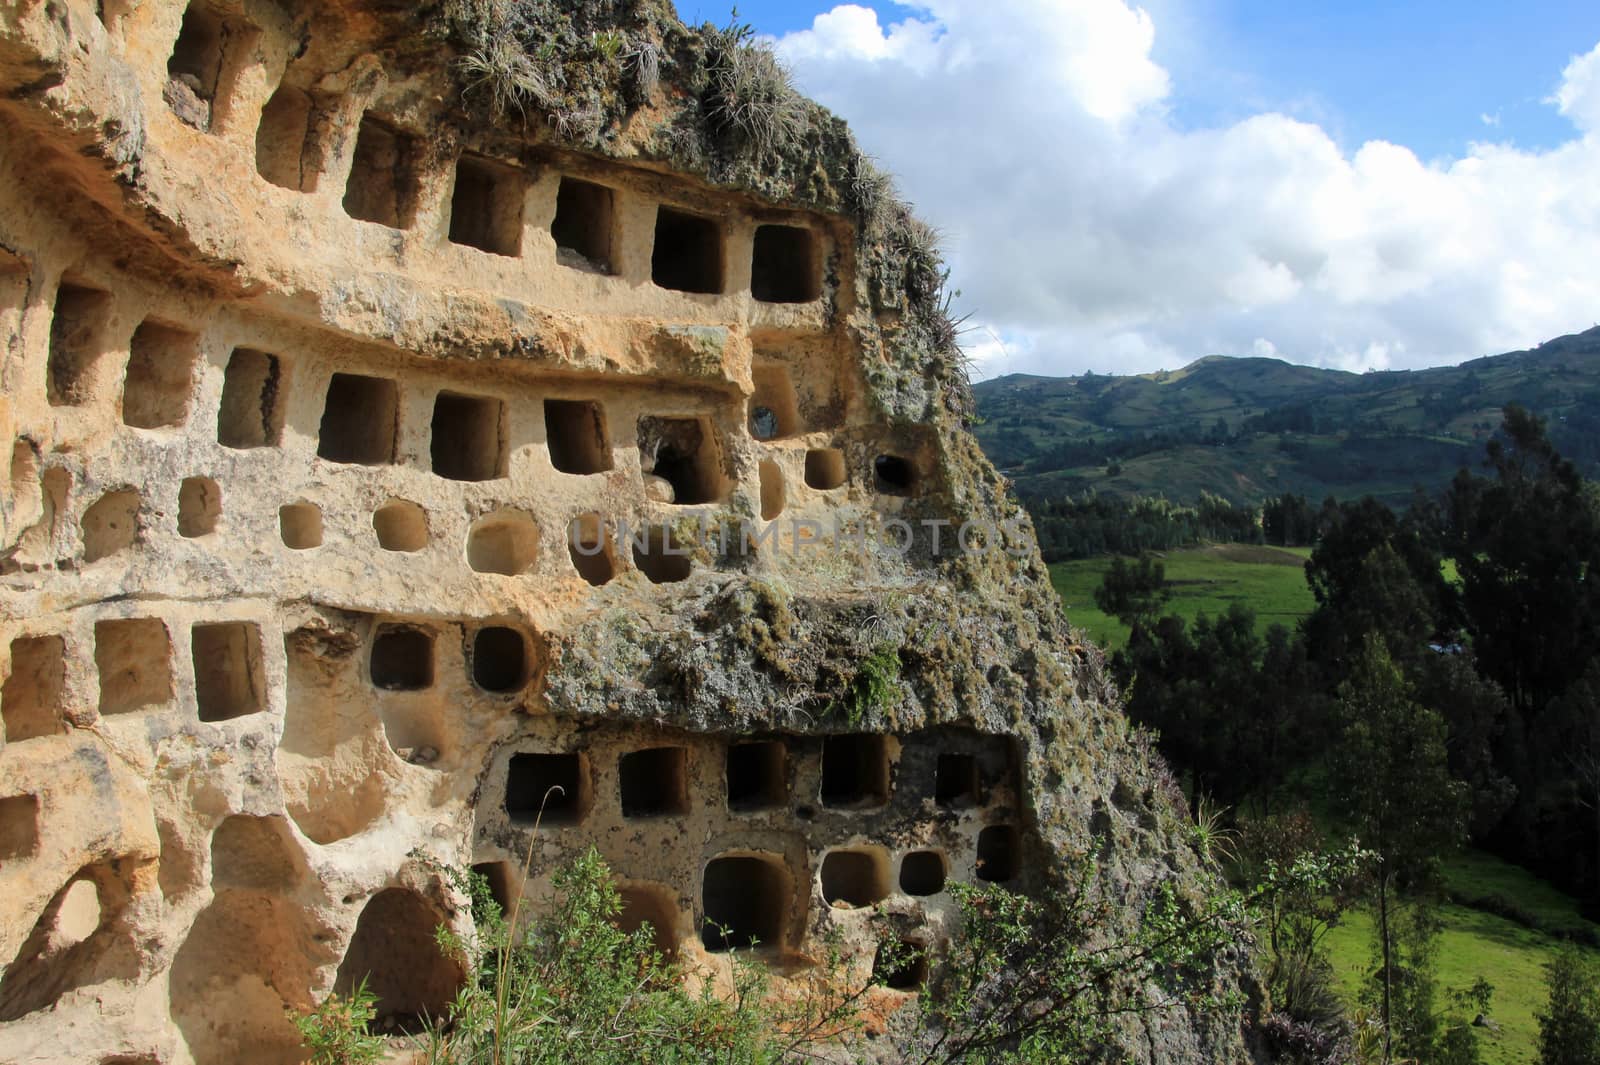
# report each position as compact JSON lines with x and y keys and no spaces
{"x":1250,"y":428}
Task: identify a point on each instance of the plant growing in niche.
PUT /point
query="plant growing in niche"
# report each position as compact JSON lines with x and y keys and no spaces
{"x":335,"y":1031}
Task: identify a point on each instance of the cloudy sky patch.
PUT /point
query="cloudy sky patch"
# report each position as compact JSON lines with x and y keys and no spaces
{"x":1091,"y":225}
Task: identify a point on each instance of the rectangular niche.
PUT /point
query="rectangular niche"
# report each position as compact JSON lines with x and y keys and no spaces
{"x":825,"y":469}
{"x":383,"y":180}
{"x":758,"y":775}
{"x":687,"y":255}
{"x":199,"y":507}
{"x":134,"y":660}
{"x":956,"y":780}
{"x":31,"y":700}
{"x":19,"y":826}
{"x":774,"y":409}
{"x":855,"y":771}
{"x":197,"y":71}
{"x":359,"y":420}
{"x":575,"y":433}
{"x":501,"y":659}
{"x":922,"y":873}
{"x":251,"y":414}
{"x":402,"y":658}
{"x":654,"y":906}
{"x":744,"y":899}
{"x":469,"y":437}
{"x":894,"y":475}
{"x":855,"y":876}
{"x":486,"y":207}
{"x":591,"y":544}
{"x":76,"y":342}
{"x":504,"y":880}
{"x":229,"y":676}
{"x":784,"y":266}
{"x":999,"y":854}
{"x":155,"y":390}
{"x":284,"y":141}
{"x":659,"y":556}
{"x":655,"y":782}
{"x":583,"y":224}
{"x":685,"y":453}
{"x":558,"y":783}
{"x":300,"y":526}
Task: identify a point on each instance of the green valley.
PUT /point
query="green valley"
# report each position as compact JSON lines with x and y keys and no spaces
{"x":1206,"y":580}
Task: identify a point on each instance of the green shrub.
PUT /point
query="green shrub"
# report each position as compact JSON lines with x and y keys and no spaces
{"x":1036,"y":980}
{"x":570,"y":986}
{"x":1569,"y":1026}
{"x":335,"y":1031}
{"x":1024,"y":980}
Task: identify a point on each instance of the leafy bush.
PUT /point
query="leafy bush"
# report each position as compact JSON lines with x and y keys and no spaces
{"x":1569,"y":1025}
{"x":570,"y":986}
{"x":1024,"y":981}
{"x":335,"y":1031}
{"x":1037,"y":980}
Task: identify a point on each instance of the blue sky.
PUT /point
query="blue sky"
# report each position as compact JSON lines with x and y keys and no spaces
{"x":1127,"y":186}
{"x":1423,"y":73}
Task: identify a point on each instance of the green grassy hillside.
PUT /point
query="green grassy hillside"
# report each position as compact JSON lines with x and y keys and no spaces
{"x":1250,"y":428}
{"x":1474,"y":943}
{"x":1269,"y":580}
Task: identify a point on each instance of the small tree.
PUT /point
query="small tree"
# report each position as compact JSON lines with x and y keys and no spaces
{"x":1133,"y":593}
{"x":1391,"y":779}
{"x":1038,"y":980}
{"x":1296,"y":921}
{"x":1569,"y":1026}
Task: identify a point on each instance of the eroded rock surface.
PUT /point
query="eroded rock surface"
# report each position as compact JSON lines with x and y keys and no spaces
{"x":380,"y":462}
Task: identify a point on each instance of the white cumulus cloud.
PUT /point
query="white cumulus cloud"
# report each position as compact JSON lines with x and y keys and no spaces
{"x":1579,"y":94}
{"x":1087,"y":229}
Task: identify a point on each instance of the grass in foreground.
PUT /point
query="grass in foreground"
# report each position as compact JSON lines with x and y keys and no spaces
{"x":1269,"y":580}
{"x":1474,"y":943}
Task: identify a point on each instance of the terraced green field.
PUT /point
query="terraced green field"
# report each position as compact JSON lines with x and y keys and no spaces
{"x":1269,"y":580}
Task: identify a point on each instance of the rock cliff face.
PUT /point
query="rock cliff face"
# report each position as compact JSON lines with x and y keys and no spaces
{"x":415,"y":409}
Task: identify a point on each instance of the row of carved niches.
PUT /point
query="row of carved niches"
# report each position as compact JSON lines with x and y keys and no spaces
{"x":361,"y":412}
{"x":472,"y":433}
{"x":725,"y":832}
{"x":394,"y":175}
{"x":134,"y":664}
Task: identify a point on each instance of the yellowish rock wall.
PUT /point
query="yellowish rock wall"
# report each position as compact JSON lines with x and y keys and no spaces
{"x":312,"y":424}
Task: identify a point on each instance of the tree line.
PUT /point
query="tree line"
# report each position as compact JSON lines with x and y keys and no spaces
{"x":1445,"y":689}
{"x":1092,"y":525}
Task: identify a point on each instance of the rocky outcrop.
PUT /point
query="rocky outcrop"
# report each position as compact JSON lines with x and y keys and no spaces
{"x":416,"y":410}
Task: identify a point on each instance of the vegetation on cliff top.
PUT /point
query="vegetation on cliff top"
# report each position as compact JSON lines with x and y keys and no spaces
{"x":723,"y":106}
